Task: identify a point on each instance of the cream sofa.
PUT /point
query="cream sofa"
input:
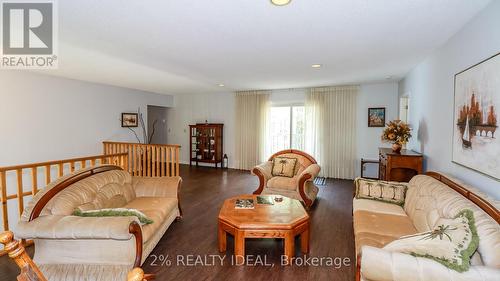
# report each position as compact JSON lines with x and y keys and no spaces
{"x":428,"y":198}
{"x":300,"y":186}
{"x":68,"y":247}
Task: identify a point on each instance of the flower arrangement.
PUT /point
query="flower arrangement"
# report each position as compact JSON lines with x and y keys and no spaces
{"x":397,"y":132}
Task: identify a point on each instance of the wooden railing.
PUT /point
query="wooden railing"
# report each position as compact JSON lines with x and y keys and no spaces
{"x":148,"y":160}
{"x":28,"y":176}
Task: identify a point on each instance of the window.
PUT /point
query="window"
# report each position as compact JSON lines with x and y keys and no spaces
{"x":286,"y":128}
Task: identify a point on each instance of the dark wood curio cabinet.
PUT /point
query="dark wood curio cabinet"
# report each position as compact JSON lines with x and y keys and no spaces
{"x":206,"y":144}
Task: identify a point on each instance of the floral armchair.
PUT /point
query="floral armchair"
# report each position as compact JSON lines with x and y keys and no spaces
{"x":299,"y":184}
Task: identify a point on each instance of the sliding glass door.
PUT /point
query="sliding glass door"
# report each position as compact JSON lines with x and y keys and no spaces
{"x":286,"y":128}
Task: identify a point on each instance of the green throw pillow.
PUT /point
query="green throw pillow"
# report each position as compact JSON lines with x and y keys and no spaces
{"x":452,"y":242}
{"x":385,"y":191}
{"x":116,"y":212}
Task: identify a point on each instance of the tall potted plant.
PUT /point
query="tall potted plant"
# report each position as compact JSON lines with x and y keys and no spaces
{"x":398,"y":133}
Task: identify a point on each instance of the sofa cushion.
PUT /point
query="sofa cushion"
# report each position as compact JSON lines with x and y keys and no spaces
{"x":282,"y":183}
{"x":284,"y":167}
{"x":389,"y":192}
{"x":371,"y":239}
{"x":156,"y":208}
{"x":451,"y":243}
{"x":377,"y":207}
{"x":382,"y":224}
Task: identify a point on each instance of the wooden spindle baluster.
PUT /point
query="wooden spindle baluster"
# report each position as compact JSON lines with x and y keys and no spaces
{"x":177,"y":151}
{"x":158,"y":163}
{"x":60,"y":169}
{"x":71,"y":167}
{"x":162,"y":159}
{"x":3,"y":188}
{"x":34,"y":180}
{"x":151,"y":161}
{"x":16,"y":251}
{"x":48,"y":178}
{"x":20,"y":197}
{"x":168,"y":161}
{"x":137,"y":161}
{"x":83,"y":164}
{"x":144,"y":160}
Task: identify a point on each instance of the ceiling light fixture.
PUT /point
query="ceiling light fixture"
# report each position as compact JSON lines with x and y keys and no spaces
{"x":280,"y":2}
{"x":316,"y":65}
{"x":221,"y":85}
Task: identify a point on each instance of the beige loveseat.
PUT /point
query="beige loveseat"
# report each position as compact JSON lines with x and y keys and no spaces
{"x":300,"y":186}
{"x":68,"y":247}
{"x":428,"y":198}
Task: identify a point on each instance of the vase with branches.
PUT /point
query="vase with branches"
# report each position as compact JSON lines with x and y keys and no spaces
{"x":146,"y":139}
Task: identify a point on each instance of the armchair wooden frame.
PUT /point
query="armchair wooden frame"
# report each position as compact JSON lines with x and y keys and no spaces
{"x":302,"y":180}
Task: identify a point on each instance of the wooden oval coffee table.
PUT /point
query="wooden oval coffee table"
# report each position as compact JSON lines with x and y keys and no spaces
{"x":285,"y":219}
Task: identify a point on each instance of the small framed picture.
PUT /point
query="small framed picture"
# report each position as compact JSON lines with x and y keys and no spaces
{"x":376,"y":117}
{"x":130,"y":120}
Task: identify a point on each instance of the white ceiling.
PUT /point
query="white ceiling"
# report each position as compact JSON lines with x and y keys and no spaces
{"x":168,"y":46}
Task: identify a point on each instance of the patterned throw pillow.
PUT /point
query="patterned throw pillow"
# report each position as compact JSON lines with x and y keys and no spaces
{"x":452,"y":242}
{"x":386,"y":191}
{"x":115,"y":212}
{"x":284,"y":167}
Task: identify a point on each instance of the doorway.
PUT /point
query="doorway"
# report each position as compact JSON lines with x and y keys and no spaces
{"x":157,"y":124}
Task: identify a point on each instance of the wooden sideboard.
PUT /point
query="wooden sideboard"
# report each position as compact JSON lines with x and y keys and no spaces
{"x":399,"y":166}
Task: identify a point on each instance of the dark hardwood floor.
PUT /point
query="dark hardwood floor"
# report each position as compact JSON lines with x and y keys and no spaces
{"x":189,"y":251}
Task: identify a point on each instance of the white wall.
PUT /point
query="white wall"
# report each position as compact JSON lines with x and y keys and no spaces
{"x":196,"y":108}
{"x":220,"y":108}
{"x":430,"y":85}
{"x":368,"y":138}
{"x":47,"y":118}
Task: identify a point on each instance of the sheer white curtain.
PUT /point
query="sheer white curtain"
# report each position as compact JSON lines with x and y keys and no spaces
{"x":331,"y":129}
{"x":252,"y":110}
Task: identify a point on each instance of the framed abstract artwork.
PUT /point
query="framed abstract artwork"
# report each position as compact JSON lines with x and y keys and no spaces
{"x":130,"y":120}
{"x":475,"y":125}
{"x":376,"y":117}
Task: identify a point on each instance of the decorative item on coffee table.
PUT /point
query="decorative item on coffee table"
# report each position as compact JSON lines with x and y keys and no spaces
{"x":397,"y":132}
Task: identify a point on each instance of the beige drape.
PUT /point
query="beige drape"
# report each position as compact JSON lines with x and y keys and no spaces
{"x":331,"y":129}
{"x":252,"y":109}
